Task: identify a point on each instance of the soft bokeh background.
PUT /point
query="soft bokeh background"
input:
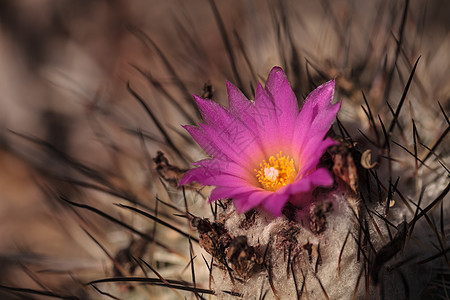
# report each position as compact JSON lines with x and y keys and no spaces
{"x":64,"y":69}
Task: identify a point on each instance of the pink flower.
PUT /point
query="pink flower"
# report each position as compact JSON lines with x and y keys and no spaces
{"x":264,"y":152}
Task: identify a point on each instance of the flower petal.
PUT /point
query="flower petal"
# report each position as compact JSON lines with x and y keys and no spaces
{"x":223,"y":192}
{"x":300,"y":185}
{"x":226,"y":132}
{"x":236,"y":143}
{"x":302,"y":200}
{"x":265,"y":115}
{"x":197,"y":175}
{"x":312,"y":152}
{"x":321,"y":177}
{"x":302,"y":188}
{"x":316,"y":116}
{"x":240,"y":106}
{"x":245,"y":202}
{"x":226,"y":167}
{"x":223,"y":119}
{"x":211,"y":177}
{"x":275,"y":203}
{"x":202,"y":139}
{"x":277,"y":85}
{"x":212,"y":112}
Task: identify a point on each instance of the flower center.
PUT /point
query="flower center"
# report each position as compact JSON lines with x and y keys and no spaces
{"x":276,"y":173}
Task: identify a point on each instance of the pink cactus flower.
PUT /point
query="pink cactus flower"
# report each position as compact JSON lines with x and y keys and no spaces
{"x":264,"y":153}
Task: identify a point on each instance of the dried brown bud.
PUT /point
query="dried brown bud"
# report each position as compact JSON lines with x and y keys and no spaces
{"x":318,"y":216}
{"x":243,"y":258}
{"x":166,"y":171}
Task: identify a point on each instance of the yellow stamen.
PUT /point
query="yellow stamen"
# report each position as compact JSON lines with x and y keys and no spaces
{"x":276,"y":173}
